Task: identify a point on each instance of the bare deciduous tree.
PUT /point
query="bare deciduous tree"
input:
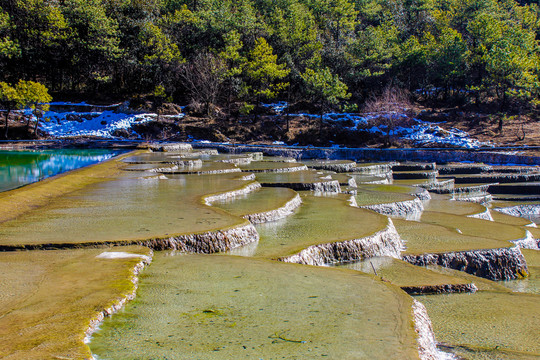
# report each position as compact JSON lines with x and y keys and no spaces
{"x":204,"y":76}
{"x":389,"y":107}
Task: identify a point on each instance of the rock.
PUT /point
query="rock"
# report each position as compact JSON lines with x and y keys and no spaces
{"x":386,"y":242}
{"x":493,"y":264}
{"x":276,"y":214}
{"x":169,"y":109}
{"x":410,"y":209}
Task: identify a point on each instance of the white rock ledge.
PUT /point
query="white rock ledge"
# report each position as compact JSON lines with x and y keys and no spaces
{"x":280,"y":170}
{"x":521,"y":210}
{"x":386,"y":242}
{"x":427,"y":346}
{"x":206,"y":243}
{"x":275,"y":214}
{"x":528,"y":242}
{"x":486,"y":215}
{"x":409,"y":209}
{"x":209,"y":199}
{"x":119,"y":303}
{"x":494,"y":264}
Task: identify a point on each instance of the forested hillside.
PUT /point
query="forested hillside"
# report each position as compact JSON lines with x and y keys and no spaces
{"x":327,"y":52}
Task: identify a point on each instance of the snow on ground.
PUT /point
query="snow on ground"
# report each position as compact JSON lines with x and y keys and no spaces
{"x":106,"y":122}
{"x":98,"y":123}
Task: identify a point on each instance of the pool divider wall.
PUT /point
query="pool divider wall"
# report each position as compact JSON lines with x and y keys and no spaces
{"x":494,"y":264}
{"x":331,"y":186}
{"x":427,"y":346}
{"x":275,"y":214}
{"x":386,"y":242}
{"x":486,"y":215}
{"x":440,"y":289}
{"x":280,"y":170}
{"x":209,"y":242}
{"x":120,"y":302}
{"x":246,"y":189}
{"x":521,"y":210}
{"x":424,"y":155}
{"x":406,"y":209}
{"x":528,"y":242}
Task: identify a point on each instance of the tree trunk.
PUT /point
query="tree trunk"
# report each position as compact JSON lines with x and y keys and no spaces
{"x":7,"y":123}
{"x":321,"y":120}
{"x":287,"y":107}
{"x":36,"y":126}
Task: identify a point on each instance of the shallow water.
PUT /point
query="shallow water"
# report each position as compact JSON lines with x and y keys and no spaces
{"x":228,"y":307}
{"x":320,"y":219}
{"x":18,"y":168}
{"x":224,"y":307}
{"x":432,"y":238}
{"x":126,"y":208}
{"x":401,"y":273}
{"x":487,"y":324}
{"x":530,"y":284}
{"x":304,"y":176}
{"x":367,"y":197}
{"x":259,"y":201}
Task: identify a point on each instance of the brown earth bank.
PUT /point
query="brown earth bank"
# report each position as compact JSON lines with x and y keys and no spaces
{"x":266,"y":127}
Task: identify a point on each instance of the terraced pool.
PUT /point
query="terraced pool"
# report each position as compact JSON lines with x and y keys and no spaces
{"x":88,"y":234}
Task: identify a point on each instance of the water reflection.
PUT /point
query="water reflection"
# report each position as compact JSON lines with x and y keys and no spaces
{"x":18,"y":168}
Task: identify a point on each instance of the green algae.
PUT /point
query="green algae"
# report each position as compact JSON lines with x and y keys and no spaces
{"x":422,"y":238}
{"x":49,"y":298}
{"x":320,"y":220}
{"x":303,"y":176}
{"x":394,"y":188}
{"x":224,"y":307}
{"x":475,"y":227}
{"x":487,"y":324}
{"x":530,"y":284}
{"x":271,"y":166}
{"x":509,"y":219}
{"x":155,"y":157}
{"x":206,"y":167}
{"x":126,"y":209}
{"x":443,"y":204}
{"x":367,"y":197}
{"x":403,"y":274}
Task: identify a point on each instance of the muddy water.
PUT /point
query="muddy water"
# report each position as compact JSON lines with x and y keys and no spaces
{"x":224,"y":307}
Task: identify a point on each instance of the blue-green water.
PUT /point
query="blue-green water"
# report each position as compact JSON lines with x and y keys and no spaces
{"x":18,"y":168}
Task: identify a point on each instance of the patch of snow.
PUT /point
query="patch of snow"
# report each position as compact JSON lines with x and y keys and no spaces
{"x":278,"y":143}
{"x":427,"y":133}
{"x":278,"y":107}
{"x":120,"y":255}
